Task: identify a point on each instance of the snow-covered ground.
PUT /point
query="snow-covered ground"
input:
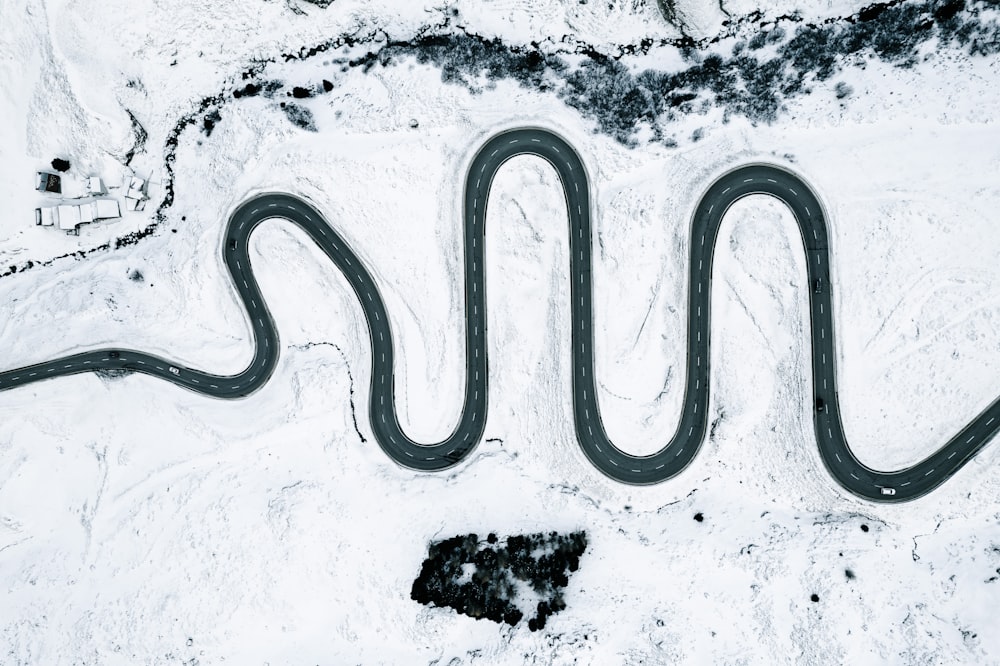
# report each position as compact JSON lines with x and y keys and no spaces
{"x":140,"y":523}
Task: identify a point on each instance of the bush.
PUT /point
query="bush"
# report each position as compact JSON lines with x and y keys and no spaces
{"x":300,"y":116}
{"x":209,"y":121}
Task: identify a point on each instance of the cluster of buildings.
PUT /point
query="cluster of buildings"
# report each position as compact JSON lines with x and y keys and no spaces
{"x":69,"y":213}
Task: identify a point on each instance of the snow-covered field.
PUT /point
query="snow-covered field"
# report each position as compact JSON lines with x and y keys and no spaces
{"x":140,"y":523}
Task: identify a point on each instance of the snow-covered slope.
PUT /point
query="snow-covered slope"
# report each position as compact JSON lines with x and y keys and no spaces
{"x":140,"y":523}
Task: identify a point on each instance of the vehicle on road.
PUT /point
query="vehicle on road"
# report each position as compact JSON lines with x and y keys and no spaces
{"x":113,"y":354}
{"x":888,"y":491}
{"x":232,"y":243}
{"x":174,"y":370}
{"x":818,"y":286}
{"x":820,"y":405}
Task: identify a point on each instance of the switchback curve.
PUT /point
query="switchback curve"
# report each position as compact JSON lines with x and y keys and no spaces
{"x":677,"y":453}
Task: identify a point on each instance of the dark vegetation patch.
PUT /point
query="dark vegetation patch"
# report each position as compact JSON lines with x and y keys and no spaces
{"x":754,"y":80}
{"x":136,"y":276}
{"x":843,"y":90}
{"x":699,"y":517}
{"x":209,"y":121}
{"x":59,"y":164}
{"x":300,"y":116}
{"x":814,"y":598}
{"x":481,"y":579}
{"x":266,"y":88}
{"x":249,"y":90}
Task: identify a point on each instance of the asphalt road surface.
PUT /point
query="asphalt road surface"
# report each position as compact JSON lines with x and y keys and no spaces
{"x":677,"y":453}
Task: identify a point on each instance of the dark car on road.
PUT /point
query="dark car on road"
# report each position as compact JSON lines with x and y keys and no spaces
{"x":820,"y":405}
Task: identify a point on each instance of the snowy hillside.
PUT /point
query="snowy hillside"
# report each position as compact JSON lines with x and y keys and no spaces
{"x":142,"y":523}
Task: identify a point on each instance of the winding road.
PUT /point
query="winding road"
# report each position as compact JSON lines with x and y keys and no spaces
{"x":677,"y":453}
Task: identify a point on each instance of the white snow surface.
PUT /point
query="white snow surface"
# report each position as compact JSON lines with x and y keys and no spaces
{"x":141,"y":523}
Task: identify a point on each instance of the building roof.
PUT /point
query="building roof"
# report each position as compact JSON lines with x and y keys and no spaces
{"x":106,"y":208}
{"x":45,"y":216}
{"x":69,"y":217}
{"x":48,"y":182}
{"x":136,"y":188}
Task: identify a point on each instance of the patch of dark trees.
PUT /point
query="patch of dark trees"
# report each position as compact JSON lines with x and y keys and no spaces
{"x":620,"y":100}
{"x":750,"y":81}
{"x":477,"y":577}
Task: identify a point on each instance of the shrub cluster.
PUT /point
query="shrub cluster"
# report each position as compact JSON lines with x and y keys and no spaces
{"x":749,"y":82}
{"x":300,"y":116}
{"x":753,"y":81}
{"x":479,"y":578}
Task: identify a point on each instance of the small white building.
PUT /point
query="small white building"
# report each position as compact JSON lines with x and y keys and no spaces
{"x":135,"y":193}
{"x":69,"y":217}
{"x":46,"y":217}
